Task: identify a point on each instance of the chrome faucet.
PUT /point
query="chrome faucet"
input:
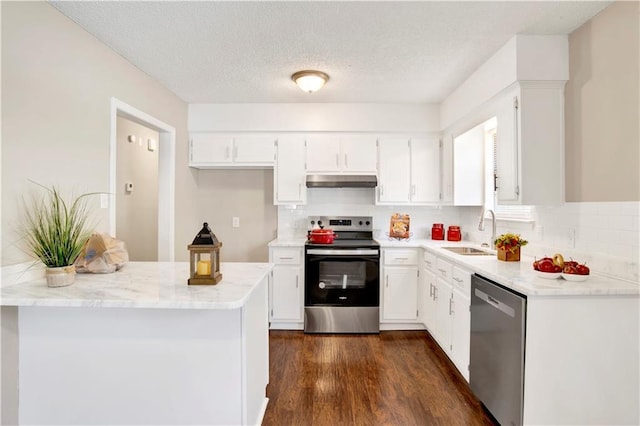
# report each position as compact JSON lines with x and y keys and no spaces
{"x":493,"y":226}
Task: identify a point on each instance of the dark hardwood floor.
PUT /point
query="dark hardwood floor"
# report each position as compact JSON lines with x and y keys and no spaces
{"x":394,"y":378}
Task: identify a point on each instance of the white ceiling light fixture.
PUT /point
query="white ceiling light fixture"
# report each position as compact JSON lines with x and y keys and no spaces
{"x":310,"y":81}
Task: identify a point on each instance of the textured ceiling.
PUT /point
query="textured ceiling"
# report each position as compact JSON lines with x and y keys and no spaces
{"x":237,"y":52}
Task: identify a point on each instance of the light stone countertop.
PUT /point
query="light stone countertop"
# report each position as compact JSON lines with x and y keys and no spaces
{"x":518,"y":276}
{"x":142,"y":285}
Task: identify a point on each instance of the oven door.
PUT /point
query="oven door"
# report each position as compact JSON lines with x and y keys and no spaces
{"x":342,"y":277}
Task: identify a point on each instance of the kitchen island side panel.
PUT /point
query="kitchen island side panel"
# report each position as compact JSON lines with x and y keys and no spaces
{"x":130,"y":366}
{"x":581,"y":362}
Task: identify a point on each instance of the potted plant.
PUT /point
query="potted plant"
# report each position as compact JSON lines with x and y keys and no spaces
{"x":508,"y":247}
{"x":55,"y":232}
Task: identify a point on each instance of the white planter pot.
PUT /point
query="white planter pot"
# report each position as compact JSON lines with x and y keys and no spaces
{"x":60,"y":277}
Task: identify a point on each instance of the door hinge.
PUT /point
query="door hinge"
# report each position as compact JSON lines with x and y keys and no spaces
{"x":417,"y":313}
{"x":517,"y":190}
{"x":440,"y":143}
{"x":272,"y":312}
{"x":515,"y":102}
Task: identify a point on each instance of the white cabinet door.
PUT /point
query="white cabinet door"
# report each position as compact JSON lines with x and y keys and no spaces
{"x":446,"y":164}
{"x":468,"y":168}
{"x":507,"y":146}
{"x":210,"y":148}
{"x":359,"y":154}
{"x":400,"y":293}
{"x":286,"y":293}
{"x":254,"y":149}
{"x":425,"y":170}
{"x":443,"y":330}
{"x":430,"y":303}
{"x":394,"y":171}
{"x":530,"y":144}
{"x":323,"y":154}
{"x":289,"y":173}
{"x":461,"y":331}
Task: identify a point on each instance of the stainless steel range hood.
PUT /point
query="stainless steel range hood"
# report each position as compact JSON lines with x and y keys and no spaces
{"x":342,"y":181}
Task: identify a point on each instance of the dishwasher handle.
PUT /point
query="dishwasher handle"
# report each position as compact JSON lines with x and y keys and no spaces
{"x":501,"y":306}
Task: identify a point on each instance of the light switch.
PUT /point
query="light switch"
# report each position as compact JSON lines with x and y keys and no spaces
{"x":152,"y":144}
{"x":236,"y":222}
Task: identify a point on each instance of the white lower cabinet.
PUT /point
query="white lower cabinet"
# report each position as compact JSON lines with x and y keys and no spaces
{"x":286,"y":293}
{"x":399,"y":285}
{"x":446,"y":302}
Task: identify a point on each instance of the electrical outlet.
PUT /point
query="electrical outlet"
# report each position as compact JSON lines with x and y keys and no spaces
{"x":236,"y":222}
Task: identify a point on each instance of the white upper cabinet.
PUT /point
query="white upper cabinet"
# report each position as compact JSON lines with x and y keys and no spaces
{"x":425,"y":170}
{"x":446,"y":167}
{"x":289,"y":177}
{"x":341,"y":154}
{"x":408,"y":170}
{"x":394,"y":171}
{"x":530,"y":144}
{"x":211,"y":150}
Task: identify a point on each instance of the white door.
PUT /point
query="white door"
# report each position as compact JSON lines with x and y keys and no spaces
{"x":254,"y":149}
{"x":400,"y":293}
{"x":289,"y":173}
{"x":209,"y":148}
{"x":323,"y":154}
{"x":507,"y":145}
{"x":286,"y":293}
{"x":461,"y":332}
{"x":359,"y":154}
{"x":443,"y":330}
{"x":425,"y":170}
{"x":395,"y":161}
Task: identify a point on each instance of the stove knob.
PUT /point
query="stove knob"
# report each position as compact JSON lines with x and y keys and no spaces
{"x":319,"y":223}
{"x":360,"y":223}
{"x":313,"y":222}
{"x":368,"y":223}
{"x":321,"y":285}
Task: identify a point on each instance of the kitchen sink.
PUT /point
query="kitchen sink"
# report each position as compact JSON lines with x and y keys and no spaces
{"x":469,"y":251}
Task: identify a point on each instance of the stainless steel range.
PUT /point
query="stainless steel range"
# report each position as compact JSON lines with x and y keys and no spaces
{"x":342,"y":279}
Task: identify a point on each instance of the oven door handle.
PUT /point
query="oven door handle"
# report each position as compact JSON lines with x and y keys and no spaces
{"x":355,"y":252}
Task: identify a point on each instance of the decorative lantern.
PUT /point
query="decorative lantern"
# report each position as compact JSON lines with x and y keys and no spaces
{"x":204,"y":258}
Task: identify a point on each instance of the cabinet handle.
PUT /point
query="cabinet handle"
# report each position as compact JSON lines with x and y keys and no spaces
{"x":337,"y":160}
{"x":299,"y":189}
{"x":413,"y":190}
{"x":285,"y":258}
{"x":457,"y":279}
{"x":386,"y":279}
{"x":451,"y":306}
{"x":435,"y":293}
{"x":443,"y":271}
{"x":431,"y":290}
{"x":346,"y":161}
{"x":235,"y":152}
{"x":226,"y":153}
{"x":402,"y":258}
{"x":296,"y":281}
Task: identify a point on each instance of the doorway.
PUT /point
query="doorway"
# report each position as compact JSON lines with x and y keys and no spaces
{"x":165,"y":188}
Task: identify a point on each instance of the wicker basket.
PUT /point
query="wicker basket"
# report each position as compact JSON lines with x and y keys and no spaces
{"x":508,"y":256}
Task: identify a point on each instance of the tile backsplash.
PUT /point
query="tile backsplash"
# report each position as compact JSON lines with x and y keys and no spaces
{"x":605,"y":235}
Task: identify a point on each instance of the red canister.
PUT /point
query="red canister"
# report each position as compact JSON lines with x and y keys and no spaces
{"x":453,"y":233}
{"x":437,"y":231}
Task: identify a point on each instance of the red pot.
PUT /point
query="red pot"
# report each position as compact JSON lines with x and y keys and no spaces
{"x":321,"y":236}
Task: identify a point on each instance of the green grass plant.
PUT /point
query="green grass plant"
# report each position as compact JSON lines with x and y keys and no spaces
{"x":56,"y":230}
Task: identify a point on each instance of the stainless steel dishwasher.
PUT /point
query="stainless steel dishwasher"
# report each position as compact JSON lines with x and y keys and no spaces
{"x":496,"y":368}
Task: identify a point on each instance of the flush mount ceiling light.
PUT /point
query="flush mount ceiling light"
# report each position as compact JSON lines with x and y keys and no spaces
{"x":310,"y":81}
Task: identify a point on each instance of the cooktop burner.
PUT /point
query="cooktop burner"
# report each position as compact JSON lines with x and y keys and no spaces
{"x":351,"y":231}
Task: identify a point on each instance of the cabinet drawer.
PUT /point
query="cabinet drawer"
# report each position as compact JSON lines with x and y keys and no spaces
{"x":429,"y":261}
{"x":400,"y":257}
{"x":462,"y":280}
{"x":286,"y":256}
{"x":444,"y":269}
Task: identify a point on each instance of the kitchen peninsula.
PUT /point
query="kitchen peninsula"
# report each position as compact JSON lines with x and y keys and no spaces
{"x":138,"y":346}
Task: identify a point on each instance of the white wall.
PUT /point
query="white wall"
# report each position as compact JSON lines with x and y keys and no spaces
{"x":314,"y":117}
{"x":137,"y":210}
{"x":57,"y":82}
